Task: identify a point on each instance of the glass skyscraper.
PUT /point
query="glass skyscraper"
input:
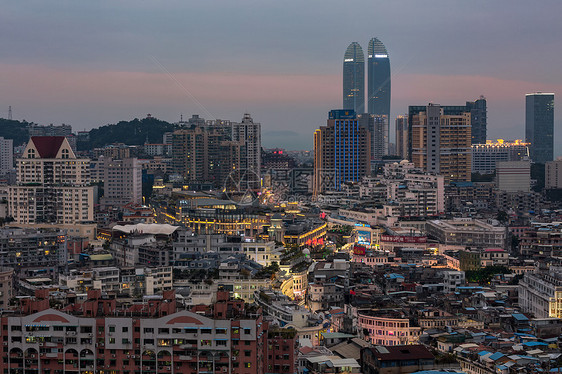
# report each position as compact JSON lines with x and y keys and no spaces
{"x":539,"y":126}
{"x":354,"y":78}
{"x":378,"y":80}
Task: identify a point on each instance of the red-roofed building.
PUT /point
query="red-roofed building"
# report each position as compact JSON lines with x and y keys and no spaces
{"x":52,"y":185}
{"x":397,"y":359}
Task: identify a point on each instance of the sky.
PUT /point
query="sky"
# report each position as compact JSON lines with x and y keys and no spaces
{"x":87,"y":64}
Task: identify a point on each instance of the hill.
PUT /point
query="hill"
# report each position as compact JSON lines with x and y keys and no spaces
{"x":16,"y":130}
{"x":134,"y":132}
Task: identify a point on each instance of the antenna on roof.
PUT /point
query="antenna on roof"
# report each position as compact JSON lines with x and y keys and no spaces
{"x":10,"y":112}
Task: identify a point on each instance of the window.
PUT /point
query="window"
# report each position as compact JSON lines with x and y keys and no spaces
{"x":247,"y":364}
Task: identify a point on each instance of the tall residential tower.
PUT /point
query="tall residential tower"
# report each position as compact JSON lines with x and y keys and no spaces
{"x":539,"y":125}
{"x":354,"y":78}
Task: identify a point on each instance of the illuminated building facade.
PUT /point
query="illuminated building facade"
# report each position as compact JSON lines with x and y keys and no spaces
{"x":378,"y":79}
{"x":342,"y":151}
{"x":354,"y":78}
{"x":485,"y":156}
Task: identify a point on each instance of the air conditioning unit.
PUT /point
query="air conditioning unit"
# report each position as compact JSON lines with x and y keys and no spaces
{"x":5,"y":343}
{"x":41,"y":344}
{"x":128,"y":356}
{"x":90,"y":335}
{"x":168,"y":368}
{"x":113,"y":356}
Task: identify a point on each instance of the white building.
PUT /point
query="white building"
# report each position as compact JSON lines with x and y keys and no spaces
{"x":541,"y":294}
{"x":122,"y":182}
{"x":452,"y":279}
{"x":467,"y":232}
{"x":264,"y":253}
{"x":53,"y":185}
{"x":6,"y":155}
{"x":513,"y":176}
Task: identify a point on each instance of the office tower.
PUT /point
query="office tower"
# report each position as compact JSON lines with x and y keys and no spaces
{"x":478,"y":119}
{"x":378,"y":128}
{"x":122,"y":182}
{"x":6,"y":155}
{"x":354,"y":78}
{"x":485,"y":156}
{"x":248,"y":134}
{"x":378,"y":79}
{"x":513,"y":176}
{"x":52,"y":184}
{"x":441,"y":143}
{"x":477,"y":110}
{"x":342,"y":151}
{"x":539,"y":125}
{"x":402,"y":136}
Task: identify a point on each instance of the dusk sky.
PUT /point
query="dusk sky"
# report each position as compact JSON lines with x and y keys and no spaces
{"x":92,"y":63}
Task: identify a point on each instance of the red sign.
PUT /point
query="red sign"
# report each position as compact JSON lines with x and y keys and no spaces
{"x":359,"y":250}
{"x":403,"y":239}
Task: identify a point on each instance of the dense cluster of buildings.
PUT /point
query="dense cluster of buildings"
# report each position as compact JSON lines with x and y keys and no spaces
{"x":205,"y":253}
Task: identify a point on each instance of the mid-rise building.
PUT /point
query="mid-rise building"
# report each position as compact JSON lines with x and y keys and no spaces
{"x":53,"y":185}
{"x":98,"y":335}
{"x":468,"y":232}
{"x":354,"y":78}
{"x":122,"y":182}
{"x":441,"y":143}
{"x":486,"y":156}
{"x":402,"y":136}
{"x":342,"y":151}
{"x":513,"y":176}
{"x":6,"y":155}
{"x":539,"y":125}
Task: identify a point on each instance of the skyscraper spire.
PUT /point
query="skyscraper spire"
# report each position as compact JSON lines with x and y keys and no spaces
{"x":354,"y":78}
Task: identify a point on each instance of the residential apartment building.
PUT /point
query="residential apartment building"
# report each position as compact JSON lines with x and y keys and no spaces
{"x":513,"y":176}
{"x":248,"y":134}
{"x":387,"y":327}
{"x":53,"y":185}
{"x":441,"y":143}
{"x":402,"y":136}
{"x":553,"y":174}
{"x":122,"y":182}
{"x":224,"y":337}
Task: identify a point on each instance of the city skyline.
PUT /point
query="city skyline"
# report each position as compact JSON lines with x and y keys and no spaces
{"x":64,"y":71}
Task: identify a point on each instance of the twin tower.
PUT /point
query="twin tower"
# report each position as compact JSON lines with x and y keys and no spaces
{"x":378,"y":79}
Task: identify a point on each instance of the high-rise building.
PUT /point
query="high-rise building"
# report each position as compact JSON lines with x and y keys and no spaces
{"x":378,"y":127}
{"x":6,"y":155}
{"x":485,"y":156}
{"x":402,"y":136}
{"x":248,"y":134}
{"x":478,"y":119}
{"x":342,"y":151}
{"x":477,"y":110}
{"x":441,"y":143}
{"x":53,"y":185}
{"x":378,"y":78}
{"x":354,"y":78}
{"x":122,"y":182}
{"x":539,"y":125}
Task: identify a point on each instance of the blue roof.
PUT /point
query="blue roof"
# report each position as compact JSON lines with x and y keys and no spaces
{"x":394,"y":276}
{"x":483,"y":353}
{"x":534,"y":344}
{"x":520,"y":317}
{"x":496,"y":356}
